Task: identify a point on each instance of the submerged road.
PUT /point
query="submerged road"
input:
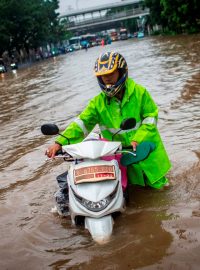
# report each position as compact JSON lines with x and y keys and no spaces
{"x":159,"y":230}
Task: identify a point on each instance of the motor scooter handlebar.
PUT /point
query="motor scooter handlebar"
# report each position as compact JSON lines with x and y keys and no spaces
{"x":65,"y":156}
{"x":126,"y":152}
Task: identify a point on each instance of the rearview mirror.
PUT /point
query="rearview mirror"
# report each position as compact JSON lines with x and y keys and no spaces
{"x":49,"y":129}
{"x":128,"y":123}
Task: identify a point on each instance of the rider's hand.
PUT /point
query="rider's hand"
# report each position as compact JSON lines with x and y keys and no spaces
{"x":52,"y":150}
{"x":134,"y":144}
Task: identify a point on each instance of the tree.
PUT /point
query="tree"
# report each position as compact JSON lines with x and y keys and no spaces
{"x":175,"y":15}
{"x":182,"y":15}
{"x":155,"y":12}
{"x":28,"y":24}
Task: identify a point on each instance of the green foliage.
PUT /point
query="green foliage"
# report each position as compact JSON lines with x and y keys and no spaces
{"x":65,"y":34}
{"x":28,"y":23}
{"x":175,"y":15}
{"x":155,"y":9}
{"x":131,"y":24}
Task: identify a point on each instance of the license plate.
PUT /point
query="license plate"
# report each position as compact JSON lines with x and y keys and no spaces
{"x":94,"y":174}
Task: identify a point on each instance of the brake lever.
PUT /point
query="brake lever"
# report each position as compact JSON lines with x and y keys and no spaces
{"x":128,"y":152}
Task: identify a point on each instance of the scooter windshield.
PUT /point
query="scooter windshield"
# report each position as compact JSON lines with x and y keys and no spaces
{"x":92,"y":149}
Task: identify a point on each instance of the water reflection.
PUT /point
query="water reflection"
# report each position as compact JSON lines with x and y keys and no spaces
{"x":138,"y":240}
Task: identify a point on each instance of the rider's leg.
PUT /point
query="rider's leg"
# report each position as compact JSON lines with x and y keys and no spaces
{"x":137,"y":177}
{"x":162,"y":183}
{"x":62,"y":196}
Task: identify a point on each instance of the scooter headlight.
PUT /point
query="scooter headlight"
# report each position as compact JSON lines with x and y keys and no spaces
{"x":96,"y":206}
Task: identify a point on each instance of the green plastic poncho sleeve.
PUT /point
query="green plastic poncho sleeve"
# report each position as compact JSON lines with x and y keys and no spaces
{"x":81,"y":126}
{"x":149,"y":113}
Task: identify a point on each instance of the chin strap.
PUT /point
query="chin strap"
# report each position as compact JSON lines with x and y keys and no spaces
{"x":108,"y":99}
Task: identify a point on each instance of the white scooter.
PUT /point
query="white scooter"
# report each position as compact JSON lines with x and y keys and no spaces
{"x":94,"y":183}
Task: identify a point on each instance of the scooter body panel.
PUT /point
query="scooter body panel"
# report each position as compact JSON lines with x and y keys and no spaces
{"x":94,"y":192}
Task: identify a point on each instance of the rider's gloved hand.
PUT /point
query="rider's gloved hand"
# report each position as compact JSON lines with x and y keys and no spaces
{"x":52,"y":150}
{"x":134,"y":144}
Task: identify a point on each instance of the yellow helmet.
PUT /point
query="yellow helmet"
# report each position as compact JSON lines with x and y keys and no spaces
{"x":107,"y":63}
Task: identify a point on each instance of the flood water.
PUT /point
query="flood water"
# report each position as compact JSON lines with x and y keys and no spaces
{"x":159,"y":230}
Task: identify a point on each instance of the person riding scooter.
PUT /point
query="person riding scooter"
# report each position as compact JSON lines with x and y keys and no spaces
{"x":121,"y":97}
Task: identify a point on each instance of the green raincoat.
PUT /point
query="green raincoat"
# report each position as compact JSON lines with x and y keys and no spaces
{"x":109,"y":113}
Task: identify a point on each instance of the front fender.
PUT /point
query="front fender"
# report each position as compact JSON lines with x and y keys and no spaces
{"x":100,"y":228}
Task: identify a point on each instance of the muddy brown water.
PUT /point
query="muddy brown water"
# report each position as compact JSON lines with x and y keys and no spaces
{"x":159,"y":230}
